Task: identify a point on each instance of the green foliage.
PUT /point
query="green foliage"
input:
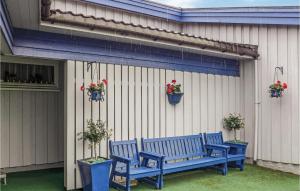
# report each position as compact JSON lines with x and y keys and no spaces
{"x":95,"y":133}
{"x":234,"y":122}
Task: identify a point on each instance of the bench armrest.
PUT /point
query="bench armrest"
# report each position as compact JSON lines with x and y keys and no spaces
{"x":223,"y":148}
{"x":237,"y":145}
{"x":152,"y":156}
{"x":121,"y":159}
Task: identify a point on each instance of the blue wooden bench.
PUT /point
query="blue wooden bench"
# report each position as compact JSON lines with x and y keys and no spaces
{"x":185,"y":153}
{"x":127,"y":164}
{"x":237,"y":151}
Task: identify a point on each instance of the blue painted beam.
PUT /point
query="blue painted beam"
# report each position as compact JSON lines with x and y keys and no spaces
{"x":241,"y":15}
{"x":65,"y":47}
{"x":5,"y":25}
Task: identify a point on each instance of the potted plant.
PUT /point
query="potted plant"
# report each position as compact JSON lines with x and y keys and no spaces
{"x":234,"y":121}
{"x":174,"y":92}
{"x":96,"y":91}
{"x":95,"y":171}
{"x":277,"y":89}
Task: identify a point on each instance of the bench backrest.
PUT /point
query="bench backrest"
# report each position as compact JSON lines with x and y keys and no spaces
{"x":126,"y":149}
{"x":213,"y":138}
{"x":175,"y":147}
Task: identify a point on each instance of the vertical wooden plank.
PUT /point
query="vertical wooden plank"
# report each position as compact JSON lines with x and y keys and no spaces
{"x":203,"y":102}
{"x":125,"y":131}
{"x":138,"y":101}
{"x":5,"y":143}
{"x":163,"y":102}
{"x":61,"y":117}
{"x":28,"y":128}
{"x":208,"y":31}
{"x":170,"y":125}
{"x":87,"y":108}
{"x":225,"y":106}
{"x":118,"y":111}
{"x":150,"y":99}
{"x":239,"y":33}
{"x":249,"y":105}
{"x":16,"y":129}
{"x":231,"y":98}
{"x":52,"y":127}
{"x":41,"y":109}
{"x":156,"y":110}
{"x":144,"y":87}
{"x":293,"y":80}
{"x":285,"y":117}
{"x":79,"y":115}
{"x":222,"y":32}
{"x":131,"y":102}
{"x":265,"y":103}
{"x":110,"y":99}
{"x":275,"y":103}
{"x":69,"y":158}
{"x":230,"y":33}
{"x":211,"y":103}
{"x":238,"y":102}
{"x":219,"y":106}
{"x":95,"y":106}
{"x":179,"y":125}
{"x":103,"y":109}
{"x":196,"y":103}
{"x":188,"y":107}
{"x":216,"y":31}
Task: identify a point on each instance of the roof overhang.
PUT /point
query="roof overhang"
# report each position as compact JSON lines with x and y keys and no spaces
{"x":129,"y":32}
{"x":283,"y":15}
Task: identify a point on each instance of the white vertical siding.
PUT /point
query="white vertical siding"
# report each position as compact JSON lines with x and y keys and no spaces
{"x":30,"y":130}
{"x":278,"y":132}
{"x":136,"y":106}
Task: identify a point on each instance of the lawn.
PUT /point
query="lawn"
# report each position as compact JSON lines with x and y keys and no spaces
{"x":254,"y":178}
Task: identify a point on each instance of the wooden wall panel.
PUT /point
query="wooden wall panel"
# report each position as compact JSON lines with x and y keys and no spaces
{"x":136,"y":105}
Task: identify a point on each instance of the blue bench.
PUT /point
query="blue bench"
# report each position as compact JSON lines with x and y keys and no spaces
{"x":127,"y":164}
{"x":185,"y":153}
{"x":237,"y":151}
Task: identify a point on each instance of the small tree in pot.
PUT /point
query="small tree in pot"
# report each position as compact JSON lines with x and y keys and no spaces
{"x":234,"y":122}
{"x":95,"y":171}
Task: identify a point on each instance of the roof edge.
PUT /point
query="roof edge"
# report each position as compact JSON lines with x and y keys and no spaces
{"x":273,"y":15}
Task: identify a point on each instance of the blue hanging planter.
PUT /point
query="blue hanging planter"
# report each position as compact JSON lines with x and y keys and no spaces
{"x":96,"y":96}
{"x":95,"y":177}
{"x":174,"y":98}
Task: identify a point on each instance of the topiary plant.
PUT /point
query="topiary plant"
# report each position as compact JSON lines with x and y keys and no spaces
{"x":234,"y":122}
{"x":95,"y":133}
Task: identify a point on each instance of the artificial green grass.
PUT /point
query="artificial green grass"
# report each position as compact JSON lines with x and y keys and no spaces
{"x":253,"y":178}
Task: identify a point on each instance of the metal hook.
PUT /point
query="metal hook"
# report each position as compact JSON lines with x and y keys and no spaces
{"x":280,"y":68}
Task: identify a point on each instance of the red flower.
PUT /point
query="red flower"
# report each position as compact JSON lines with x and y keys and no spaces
{"x":105,"y":81}
{"x":278,"y":82}
{"x":284,"y":85}
{"x":169,"y":90}
{"x":173,"y":81}
{"x":92,"y":84}
{"x":168,"y":85}
{"x":82,"y":88}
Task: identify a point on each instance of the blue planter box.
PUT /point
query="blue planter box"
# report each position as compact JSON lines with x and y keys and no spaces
{"x":174,"y":98}
{"x":95,"y":177}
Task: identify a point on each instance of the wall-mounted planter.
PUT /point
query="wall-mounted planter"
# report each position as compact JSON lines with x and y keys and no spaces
{"x":276,"y":94}
{"x":95,"y":177}
{"x":174,"y":98}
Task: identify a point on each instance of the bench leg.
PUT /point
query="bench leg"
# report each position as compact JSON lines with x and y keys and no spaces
{"x":225,"y":169}
{"x":242,"y":165}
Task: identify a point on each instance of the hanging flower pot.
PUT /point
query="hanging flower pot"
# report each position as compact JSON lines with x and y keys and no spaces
{"x":174,"y":92}
{"x":174,"y":98}
{"x":276,"y":90}
{"x":96,"y":91}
